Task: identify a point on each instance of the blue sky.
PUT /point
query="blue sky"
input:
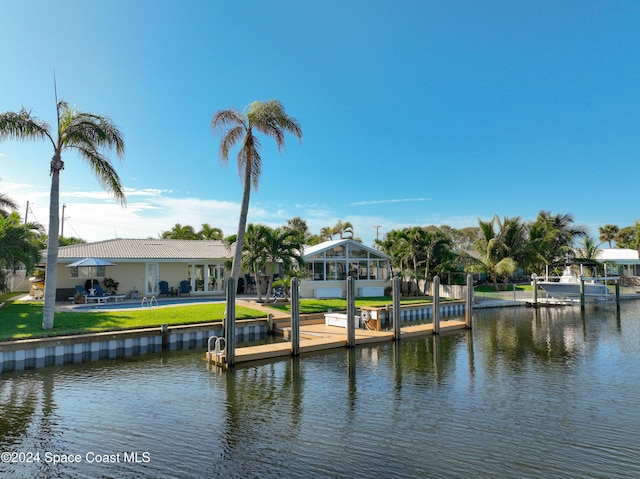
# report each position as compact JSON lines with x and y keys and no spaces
{"x":413,"y":112}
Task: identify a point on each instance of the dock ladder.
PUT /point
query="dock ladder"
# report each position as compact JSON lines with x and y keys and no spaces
{"x":219,"y":350}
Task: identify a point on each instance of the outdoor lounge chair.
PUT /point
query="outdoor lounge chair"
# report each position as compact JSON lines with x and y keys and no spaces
{"x":185,"y":287}
{"x":164,"y":288}
{"x":251,"y":284}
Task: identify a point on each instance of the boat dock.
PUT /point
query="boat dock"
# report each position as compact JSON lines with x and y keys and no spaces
{"x":319,"y":337}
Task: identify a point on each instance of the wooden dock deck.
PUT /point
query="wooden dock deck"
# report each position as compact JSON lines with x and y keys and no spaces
{"x":318,"y":337}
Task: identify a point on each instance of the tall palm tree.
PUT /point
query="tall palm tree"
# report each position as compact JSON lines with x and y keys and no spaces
{"x":86,"y":133}
{"x":268,"y":118}
{"x":608,"y":233}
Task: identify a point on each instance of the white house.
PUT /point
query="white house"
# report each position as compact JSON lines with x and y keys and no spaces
{"x":626,"y":260}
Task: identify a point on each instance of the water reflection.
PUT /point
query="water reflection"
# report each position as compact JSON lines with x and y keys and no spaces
{"x":526,"y":393}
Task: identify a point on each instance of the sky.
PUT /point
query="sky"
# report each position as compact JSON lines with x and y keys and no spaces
{"x":413,"y":113}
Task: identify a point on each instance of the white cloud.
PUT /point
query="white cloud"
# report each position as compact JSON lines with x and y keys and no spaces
{"x":383,"y":202}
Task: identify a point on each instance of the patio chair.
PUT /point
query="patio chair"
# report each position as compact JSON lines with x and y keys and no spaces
{"x":81,"y":290}
{"x":250,"y":284}
{"x":164,"y":288}
{"x":185,"y":287}
{"x":99,"y":290}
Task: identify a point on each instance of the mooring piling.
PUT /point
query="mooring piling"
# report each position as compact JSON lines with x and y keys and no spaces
{"x":295,"y":317}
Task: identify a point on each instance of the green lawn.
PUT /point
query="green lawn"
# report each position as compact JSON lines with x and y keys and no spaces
{"x":24,"y":320}
{"x":336,"y":304}
{"x":20,"y":320}
{"x":488,"y":288}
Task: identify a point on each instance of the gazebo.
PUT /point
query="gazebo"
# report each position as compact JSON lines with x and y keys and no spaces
{"x":329,"y":264}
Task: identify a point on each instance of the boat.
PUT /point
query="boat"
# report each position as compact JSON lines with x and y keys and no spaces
{"x":568,"y":287}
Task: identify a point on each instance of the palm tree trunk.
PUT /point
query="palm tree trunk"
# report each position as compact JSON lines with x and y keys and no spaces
{"x":242,"y":222}
{"x":52,"y":247}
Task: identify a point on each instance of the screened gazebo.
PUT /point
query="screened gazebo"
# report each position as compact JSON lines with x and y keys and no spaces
{"x":329,"y":264}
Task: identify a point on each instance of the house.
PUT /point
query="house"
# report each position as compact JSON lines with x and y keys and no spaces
{"x":624,"y":260}
{"x":328,"y":264}
{"x":140,"y":264}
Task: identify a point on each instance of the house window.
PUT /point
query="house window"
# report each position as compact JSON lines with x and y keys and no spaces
{"x":87,"y":272}
{"x":206,"y":277}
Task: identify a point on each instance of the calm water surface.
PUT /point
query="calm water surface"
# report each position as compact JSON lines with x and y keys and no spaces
{"x":525,"y":394}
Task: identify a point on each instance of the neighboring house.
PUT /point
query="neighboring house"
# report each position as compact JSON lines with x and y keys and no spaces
{"x":327,"y":266}
{"x":626,"y":260}
{"x":140,"y":264}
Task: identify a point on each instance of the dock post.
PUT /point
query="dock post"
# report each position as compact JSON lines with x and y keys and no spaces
{"x":396,"y":308}
{"x":468,"y":312}
{"x":295,"y":317}
{"x":534,"y":285}
{"x":230,"y":323}
{"x":436,"y":304}
{"x":581,"y":293}
{"x":618,"y":294}
{"x":351,"y":313}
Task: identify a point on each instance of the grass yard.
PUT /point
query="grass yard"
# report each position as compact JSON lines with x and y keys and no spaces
{"x":20,"y":320}
{"x":488,"y":288}
{"x":24,"y":320}
{"x":308,"y":306}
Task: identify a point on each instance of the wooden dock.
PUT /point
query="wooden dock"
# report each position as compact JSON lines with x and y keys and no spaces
{"x":318,"y":337}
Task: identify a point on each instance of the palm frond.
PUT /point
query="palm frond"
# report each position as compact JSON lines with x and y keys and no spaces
{"x":23,"y":126}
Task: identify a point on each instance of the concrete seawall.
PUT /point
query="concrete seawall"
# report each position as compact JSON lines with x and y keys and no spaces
{"x":36,"y":353}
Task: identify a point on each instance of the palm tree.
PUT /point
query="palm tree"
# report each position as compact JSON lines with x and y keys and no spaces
{"x":86,"y":133}
{"x":186,"y":232}
{"x":608,"y":233}
{"x":497,"y":250}
{"x":264,"y":246}
{"x":299,"y":226}
{"x":268,"y":118}
{"x":210,"y":233}
{"x":253,"y":257}
{"x":19,"y":246}
{"x":341,"y":229}
{"x":7,"y":205}
{"x":326,"y":233}
{"x":629,"y":236}
{"x":281,"y":246}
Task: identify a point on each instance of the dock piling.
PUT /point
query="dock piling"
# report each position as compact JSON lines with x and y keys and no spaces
{"x":436,"y":304}
{"x":230,"y":323}
{"x":351,"y":313}
{"x":468,"y":312}
{"x":396,"y":308}
{"x":295,"y":317}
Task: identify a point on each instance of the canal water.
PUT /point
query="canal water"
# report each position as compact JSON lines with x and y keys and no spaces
{"x":525,"y":394}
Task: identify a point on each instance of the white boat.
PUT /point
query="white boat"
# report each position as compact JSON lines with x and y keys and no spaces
{"x":569,"y":287}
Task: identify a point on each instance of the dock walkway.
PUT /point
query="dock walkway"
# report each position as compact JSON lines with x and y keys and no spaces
{"x":319,"y":337}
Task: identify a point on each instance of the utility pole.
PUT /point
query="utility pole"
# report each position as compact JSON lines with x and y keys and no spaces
{"x":26,"y":213}
{"x":377,"y":227}
{"x":62,"y":221}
